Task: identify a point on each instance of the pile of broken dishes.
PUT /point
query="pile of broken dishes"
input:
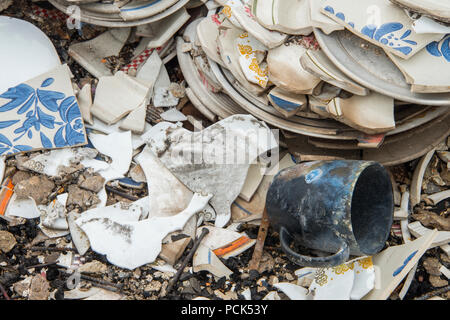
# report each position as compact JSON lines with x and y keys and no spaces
{"x":106,"y":164}
{"x":121,"y":13}
{"x":342,"y":80}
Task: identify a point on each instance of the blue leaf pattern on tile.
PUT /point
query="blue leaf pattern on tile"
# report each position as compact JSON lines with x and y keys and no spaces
{"x":441,"y":48}
{"x":38,"y":109}
{"x":6,"y":124}
{"x":46,"y":143}
{"x":384,"y":34}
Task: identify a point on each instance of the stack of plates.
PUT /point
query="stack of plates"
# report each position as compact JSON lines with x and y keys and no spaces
{"x":422,"y":120}
{"x":119,"y":13}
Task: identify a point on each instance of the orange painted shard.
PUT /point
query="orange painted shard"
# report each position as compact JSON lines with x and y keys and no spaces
{"x":5,"y":195}
{"x":231,"y":246}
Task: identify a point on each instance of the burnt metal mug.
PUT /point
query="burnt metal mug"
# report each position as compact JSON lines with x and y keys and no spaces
{"x":343,"y":207}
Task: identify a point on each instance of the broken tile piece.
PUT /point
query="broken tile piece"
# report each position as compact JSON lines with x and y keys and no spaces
{"x":90,"y":54}
{"x":135,"y":121}
{"x":132,"y":244}
{"x":41,"y":113}
{"x":24,"y":208}
{"x":116,"y":96}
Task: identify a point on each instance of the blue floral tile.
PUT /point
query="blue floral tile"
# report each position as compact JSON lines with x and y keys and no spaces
{"x":380,"y":22}
{"x":41,"y":113}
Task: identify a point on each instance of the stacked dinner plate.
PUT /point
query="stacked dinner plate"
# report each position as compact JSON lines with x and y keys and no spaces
{"x":119,"y":13}
{"x":332,"y":92}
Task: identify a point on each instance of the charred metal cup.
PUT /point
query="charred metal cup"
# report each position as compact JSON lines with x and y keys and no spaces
{"x":340,"y":207}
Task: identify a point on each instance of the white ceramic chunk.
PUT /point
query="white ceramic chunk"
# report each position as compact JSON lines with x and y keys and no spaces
{"x":25,"y":52}
{"x":133,"y":244}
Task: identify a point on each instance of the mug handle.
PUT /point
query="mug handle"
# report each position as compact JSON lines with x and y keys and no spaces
{"x":336,"y":259}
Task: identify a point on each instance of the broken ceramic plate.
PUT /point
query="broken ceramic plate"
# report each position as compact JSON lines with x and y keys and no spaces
{"x":417,"y":178}
{"x":293,"y":291}
{"x":135,"y":120}
{"x":371,"y":114}
{"x":317,"y":63}
{"x":17,"y":60}
{"x":251,"y":53}
{"x":286,"y":72}
{"x":243,"y":210}
{"x":208,"y":31}
{"x":427,"y":25}
{"x":229,"y":54}
{"x":41,"y":113}
{"x":242,"y":13}
{"x":91,"y":54}
{"x":319,"y":20}
{"x":133,"y":244}
{"x":432,"y":79}
{"x":51,"y":162}
{"x":226,"y":243}
{"x":118,"y":147}
{"x":79,"y":238}
{"x":287,"y":16}
{"x":255,"y":175}
{"x":205,"y":259}
{"x":392,"y":265}
{"x":418,"y":230}
{"x":116,"y":96}
{"x":165,"y":29}
{"x":286,"y":103}
{"x":53,"y":221}
{"x":24,"y":208}
{"x":84,"y":98}
{"x":163,"y":186}
{"x":224,"y":151}
{"x":173,"y":115}
{"x":439,"y":10}
{"x":380,"y":22}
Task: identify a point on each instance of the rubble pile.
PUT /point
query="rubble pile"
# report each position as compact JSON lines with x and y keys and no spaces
{"x":128,"y":174}
{"x":350,"y":91}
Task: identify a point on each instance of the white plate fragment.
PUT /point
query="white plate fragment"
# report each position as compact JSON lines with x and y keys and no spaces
{"x":214,"y":160}
{"x":293,"y":291}
{"x":133,"y":244}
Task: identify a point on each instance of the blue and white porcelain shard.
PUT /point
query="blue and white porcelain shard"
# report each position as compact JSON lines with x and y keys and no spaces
{"x":380,"y":22}
{"x":41,"y":113}
{"x":434,"y":78}
{"x":25,"y":52}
